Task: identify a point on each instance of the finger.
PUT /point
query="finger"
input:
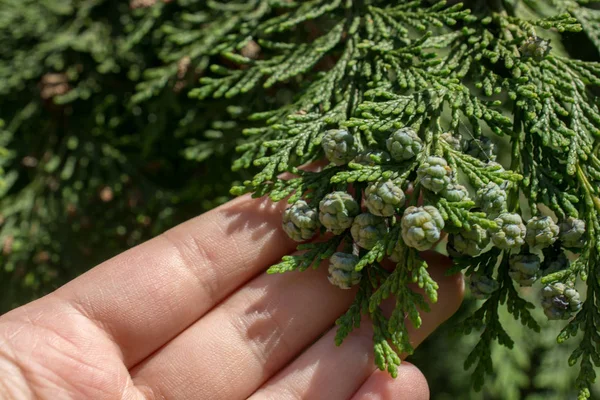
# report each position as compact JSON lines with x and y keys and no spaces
{"x":410,"y":384}
{"x":149,"y":294}
{"x":236,"y":347}
{"x":310,"y":375}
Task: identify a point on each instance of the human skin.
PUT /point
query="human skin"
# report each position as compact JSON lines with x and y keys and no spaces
{"x":191,"y":314}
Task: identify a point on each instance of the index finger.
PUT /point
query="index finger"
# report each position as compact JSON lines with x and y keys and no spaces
{"x":148,"y":295}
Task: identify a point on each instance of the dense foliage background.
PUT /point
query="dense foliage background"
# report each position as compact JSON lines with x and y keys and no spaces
{"x":101,"y":148}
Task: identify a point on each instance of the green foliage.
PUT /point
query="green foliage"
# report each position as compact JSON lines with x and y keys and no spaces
{"x":89,"y":168}
{"x":474,"y":71}
{"x":533,"y":369}
{"x":110,"y":110}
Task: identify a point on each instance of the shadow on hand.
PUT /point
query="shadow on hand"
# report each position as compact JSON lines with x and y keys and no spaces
{"x":259,"y":216}
{"x":286,"y":304}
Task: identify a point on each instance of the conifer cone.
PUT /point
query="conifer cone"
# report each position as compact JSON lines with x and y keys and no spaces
{"x":342,"y":270}
{"x":339,"y":146}
{"x":434,"y":174}
{"x":560,"y":301}
{"x":524,"y":268}
{"x":383,"y":198}
{"x":300,"y":221}
{"x":422,"y":227}
{"x":404,"y":144}
{"x":337,"y":211}
{"x":367,"y":229}
{"x":510,"y":231}
{"x":482,"y":286}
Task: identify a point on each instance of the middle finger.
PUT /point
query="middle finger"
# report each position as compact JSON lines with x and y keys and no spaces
{"x":235,"y":348}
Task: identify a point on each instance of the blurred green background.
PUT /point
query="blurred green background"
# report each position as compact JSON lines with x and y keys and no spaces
{"x":101,"y":149}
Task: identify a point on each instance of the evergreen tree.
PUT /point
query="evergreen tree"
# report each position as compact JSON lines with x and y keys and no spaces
{"x":476,"y":120}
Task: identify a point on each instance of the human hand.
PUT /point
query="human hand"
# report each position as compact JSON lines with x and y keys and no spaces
{"x":192,"y":315}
